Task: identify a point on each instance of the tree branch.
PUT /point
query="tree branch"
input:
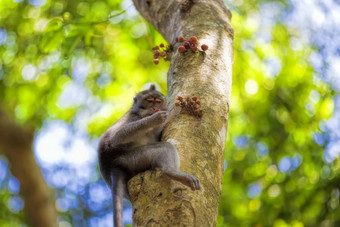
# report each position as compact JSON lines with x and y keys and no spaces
{"x":16,"y":145}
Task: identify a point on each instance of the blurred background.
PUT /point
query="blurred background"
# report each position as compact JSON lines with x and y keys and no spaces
{"x":69,"y":69}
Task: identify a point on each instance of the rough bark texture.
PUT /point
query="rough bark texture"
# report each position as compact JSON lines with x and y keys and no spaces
{"x":16,"y":145}
{"x":200,"y":141}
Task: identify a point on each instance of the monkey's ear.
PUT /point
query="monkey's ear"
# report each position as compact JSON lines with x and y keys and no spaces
{"x":152,"y":87}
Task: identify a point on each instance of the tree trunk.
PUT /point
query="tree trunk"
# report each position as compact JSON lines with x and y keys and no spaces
{"x":16,"y":145}
{"x":156,"y":200}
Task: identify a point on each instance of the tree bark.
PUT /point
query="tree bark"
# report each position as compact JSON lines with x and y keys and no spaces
{"x":16,"y":145}
{"x":156,"y":200}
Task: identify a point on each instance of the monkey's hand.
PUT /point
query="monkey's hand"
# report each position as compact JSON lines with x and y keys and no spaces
{"x":159,"y":117}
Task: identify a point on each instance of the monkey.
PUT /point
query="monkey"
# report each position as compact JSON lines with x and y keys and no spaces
{"x":133,"y":145}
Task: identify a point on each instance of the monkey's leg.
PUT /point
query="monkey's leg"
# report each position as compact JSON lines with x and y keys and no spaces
{"x":168,"y":161}
{"x":163,"y":155}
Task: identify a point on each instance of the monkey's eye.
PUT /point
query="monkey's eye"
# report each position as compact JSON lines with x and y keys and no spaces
{"x":142,"y":107}
{"x":150,"y":99}
{"x":158,"y":100}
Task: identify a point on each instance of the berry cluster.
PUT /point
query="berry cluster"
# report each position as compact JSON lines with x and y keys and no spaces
{"x":189,"y":105}
{"x":191,"y":44}
{"x":159,"y":52}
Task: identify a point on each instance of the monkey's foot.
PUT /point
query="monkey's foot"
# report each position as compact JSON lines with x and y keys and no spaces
{"x":192,"y":182}
{"x":186,"y":179}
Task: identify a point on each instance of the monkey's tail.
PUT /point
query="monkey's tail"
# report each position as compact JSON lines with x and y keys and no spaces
{"x":117,"y":199}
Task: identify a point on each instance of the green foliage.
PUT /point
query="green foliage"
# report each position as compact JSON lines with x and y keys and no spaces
{"x":278,"y":113}
{"x":106,"y":51}
{"x":8,"y":218}
{"x":44,"y":44}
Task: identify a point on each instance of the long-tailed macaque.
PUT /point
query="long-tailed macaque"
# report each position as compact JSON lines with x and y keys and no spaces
{"x":132,"y":145}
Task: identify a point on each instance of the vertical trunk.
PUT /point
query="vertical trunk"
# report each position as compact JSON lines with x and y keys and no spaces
{"x":16,"y":145}
{"x":200,"y":141}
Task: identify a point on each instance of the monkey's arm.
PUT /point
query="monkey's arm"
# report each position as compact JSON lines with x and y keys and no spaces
{"x":124,"y":132}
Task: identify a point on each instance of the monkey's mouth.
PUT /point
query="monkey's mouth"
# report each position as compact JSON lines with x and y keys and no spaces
{"x":153,"y":110}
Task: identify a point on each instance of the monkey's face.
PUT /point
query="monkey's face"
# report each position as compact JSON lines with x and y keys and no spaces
{"x":148,"y":102}
{"x":151,"y":104}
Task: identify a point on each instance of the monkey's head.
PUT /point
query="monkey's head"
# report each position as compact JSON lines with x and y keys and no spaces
{"x":148,"y":102}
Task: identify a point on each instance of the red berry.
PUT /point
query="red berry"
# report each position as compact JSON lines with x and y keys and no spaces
{"x":161,"y":45}
{"x":156,"y":54}
{"x":162,"y":54}
{"x":198,"y":102}
{"x":181,"y":49}
{"x":155,"y":48}
{"x":181,"y":39}
{"x":156,"y":61}
{"x":156,"y":110}
{"x":194,"y":98}
{"x":180,"y":98}
{"x":177,"y":104}
{"x":204,"y":47}
{"x":193,"y":49}
{"x":193,"y":39}
{"x":187,"y":45}
{"x":177,"y":39}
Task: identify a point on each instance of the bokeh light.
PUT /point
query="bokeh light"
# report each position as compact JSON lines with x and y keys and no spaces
{"x":37,"y":3}
{"x":15,"y":204}
{"x":29,"y":72}
{"x":262,"y":149}
{"x":251,"y":87}
{"x":13,"y":185}
{"x":3,"y":36}
{"x":254,"y":190}
{"x":3,"y":170}
{"x":284,"y":164}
